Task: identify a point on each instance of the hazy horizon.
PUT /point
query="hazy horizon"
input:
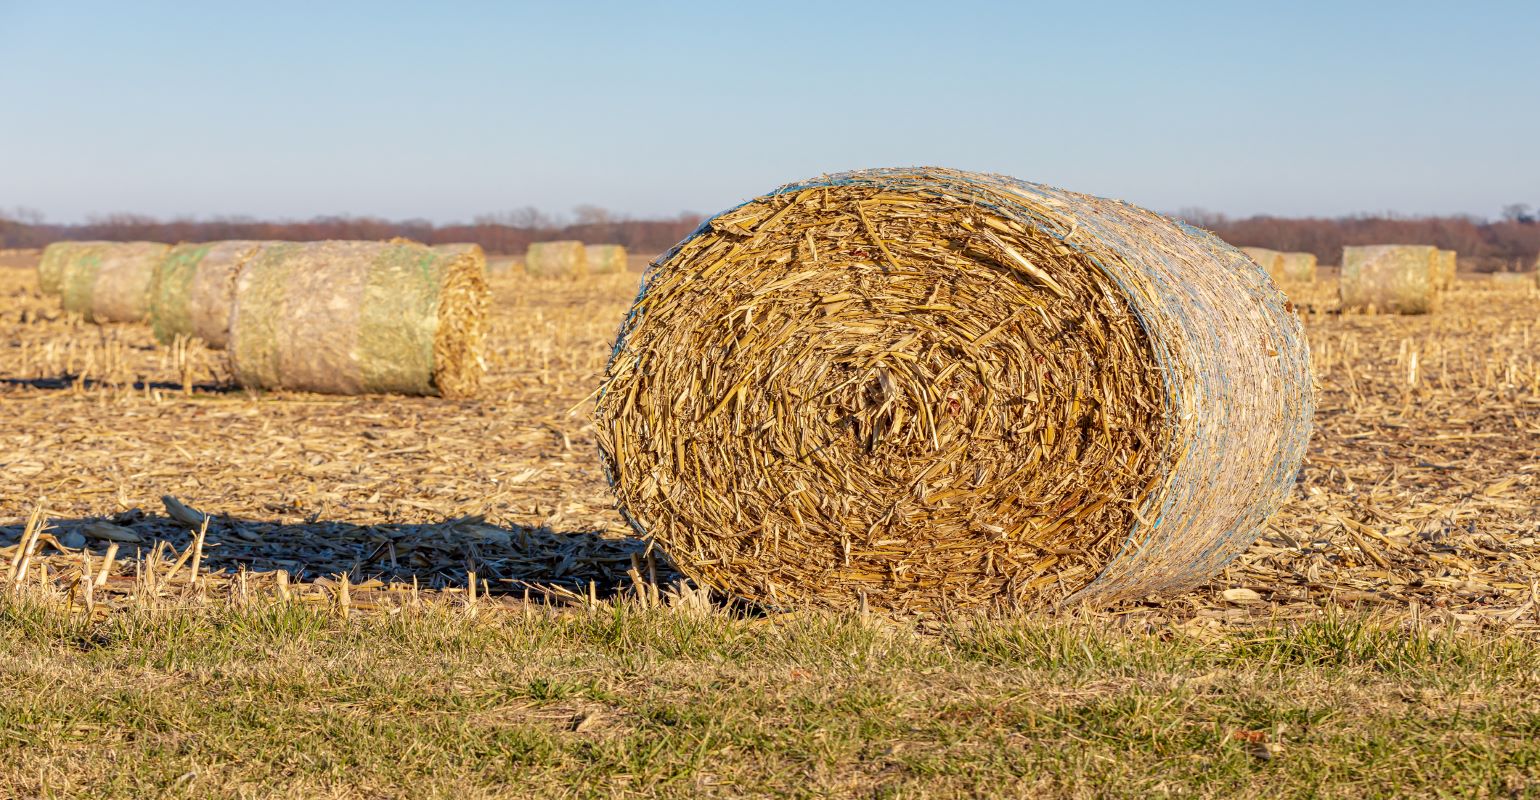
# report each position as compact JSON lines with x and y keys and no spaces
{"x":398,"y":111}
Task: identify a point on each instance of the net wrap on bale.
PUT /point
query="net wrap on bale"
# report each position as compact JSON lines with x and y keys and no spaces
{"x":111,"y":281}
{"x":56,"y":257}
{"x":1391,"y":278}
{"x":922,"y":388}
{"x":193,"y":288}
{"x":563,"y":259}
{"x":605,"y":259}
{"x":360,"y":317}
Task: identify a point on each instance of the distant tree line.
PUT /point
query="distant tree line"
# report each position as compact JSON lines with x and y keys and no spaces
{"x":1510,"y":244}
{"x":507,"y":233}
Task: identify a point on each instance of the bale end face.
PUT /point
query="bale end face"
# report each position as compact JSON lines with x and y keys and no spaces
{"x":459,"y":339}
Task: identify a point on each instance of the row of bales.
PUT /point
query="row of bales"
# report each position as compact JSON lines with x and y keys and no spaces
{"x":573,"y":259}
{"x":1387,"y":278}
{"x":341,"y":317}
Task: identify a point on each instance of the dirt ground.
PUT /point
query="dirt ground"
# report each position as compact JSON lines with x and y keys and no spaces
{"x":1419,"y":496}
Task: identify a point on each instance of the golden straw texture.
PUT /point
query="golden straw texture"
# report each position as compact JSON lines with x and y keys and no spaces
{"x":360,"y":317}
{"x":564,"y":259}
{"x":1391,"y":278}
{"x":922,"y":388}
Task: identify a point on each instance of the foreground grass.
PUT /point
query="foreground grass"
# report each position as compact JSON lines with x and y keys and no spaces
{"x":214,"y":702}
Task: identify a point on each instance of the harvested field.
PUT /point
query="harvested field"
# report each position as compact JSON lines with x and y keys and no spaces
{"x":1382,"y":638}
{"x":1417,"y":498}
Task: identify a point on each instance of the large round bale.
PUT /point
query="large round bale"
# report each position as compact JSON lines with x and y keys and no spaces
{"x":1271,"y":261}
{"x":1446,"y":267}
{"x":926,"y":389}
{"x":56,"y":257}
{"x":193,"y":289}
{"x":1296,"y":267}
{"x":359,"y":317}
{"x":1392,"y":278}
{"x":565,"y":259}
{"x":110,"y":282}
{"x":605,"y":259}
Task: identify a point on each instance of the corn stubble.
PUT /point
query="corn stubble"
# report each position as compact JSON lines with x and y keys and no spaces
{"x":1416,"y":501}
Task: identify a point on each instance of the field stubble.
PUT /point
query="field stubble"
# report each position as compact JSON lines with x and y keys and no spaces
{"x":1418,"y":495}
{"x":1380,"y":637}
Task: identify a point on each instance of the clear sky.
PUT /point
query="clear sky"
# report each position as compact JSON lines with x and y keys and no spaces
{"x":448,"y":110}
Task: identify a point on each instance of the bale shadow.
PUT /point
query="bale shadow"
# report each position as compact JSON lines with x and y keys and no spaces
{"x":509,"y":560}
{"x":68,"y":381}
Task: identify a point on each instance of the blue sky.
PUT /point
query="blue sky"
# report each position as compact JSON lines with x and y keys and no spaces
{"x":445,"y":111}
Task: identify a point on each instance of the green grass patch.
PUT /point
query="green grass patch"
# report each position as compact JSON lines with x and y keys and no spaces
{"x":622,"y":701}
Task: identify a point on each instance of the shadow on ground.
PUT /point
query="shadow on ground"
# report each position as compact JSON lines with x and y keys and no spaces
{"x":511,"y":560}
{"x":67,"y":381}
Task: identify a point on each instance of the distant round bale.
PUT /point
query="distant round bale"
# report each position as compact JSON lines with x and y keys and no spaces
{"x":193,"y":289}
{"x":359,"y":317}
{"x":564,"y":259}
{"x":110,"y":282}
{"x":930,"y":389}
{"x":1271,"y":261}
{"x":1513,"y":281}
{"x":605,"y":259}
{"x":1297,"y":267}
{"x":56,"y":256}
{"x":1391,"y":278}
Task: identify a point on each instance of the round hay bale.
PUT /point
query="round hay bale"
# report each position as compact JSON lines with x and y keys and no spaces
{"x":565,"y":259}
{"x":193,"y":289}
{"x":56,"y":257}
{"x":110,"y":282}
{"x":1513,"y":281}
{"x":921,"y":388}
{"x":1392,"y":278}
{"x":1296,"y":267}
{"x":1271,"y":261}
{"x":1446,"y":265}
{"x":505,"y":265}
{"x":605,"y":259}
{"x":359,"y":317}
